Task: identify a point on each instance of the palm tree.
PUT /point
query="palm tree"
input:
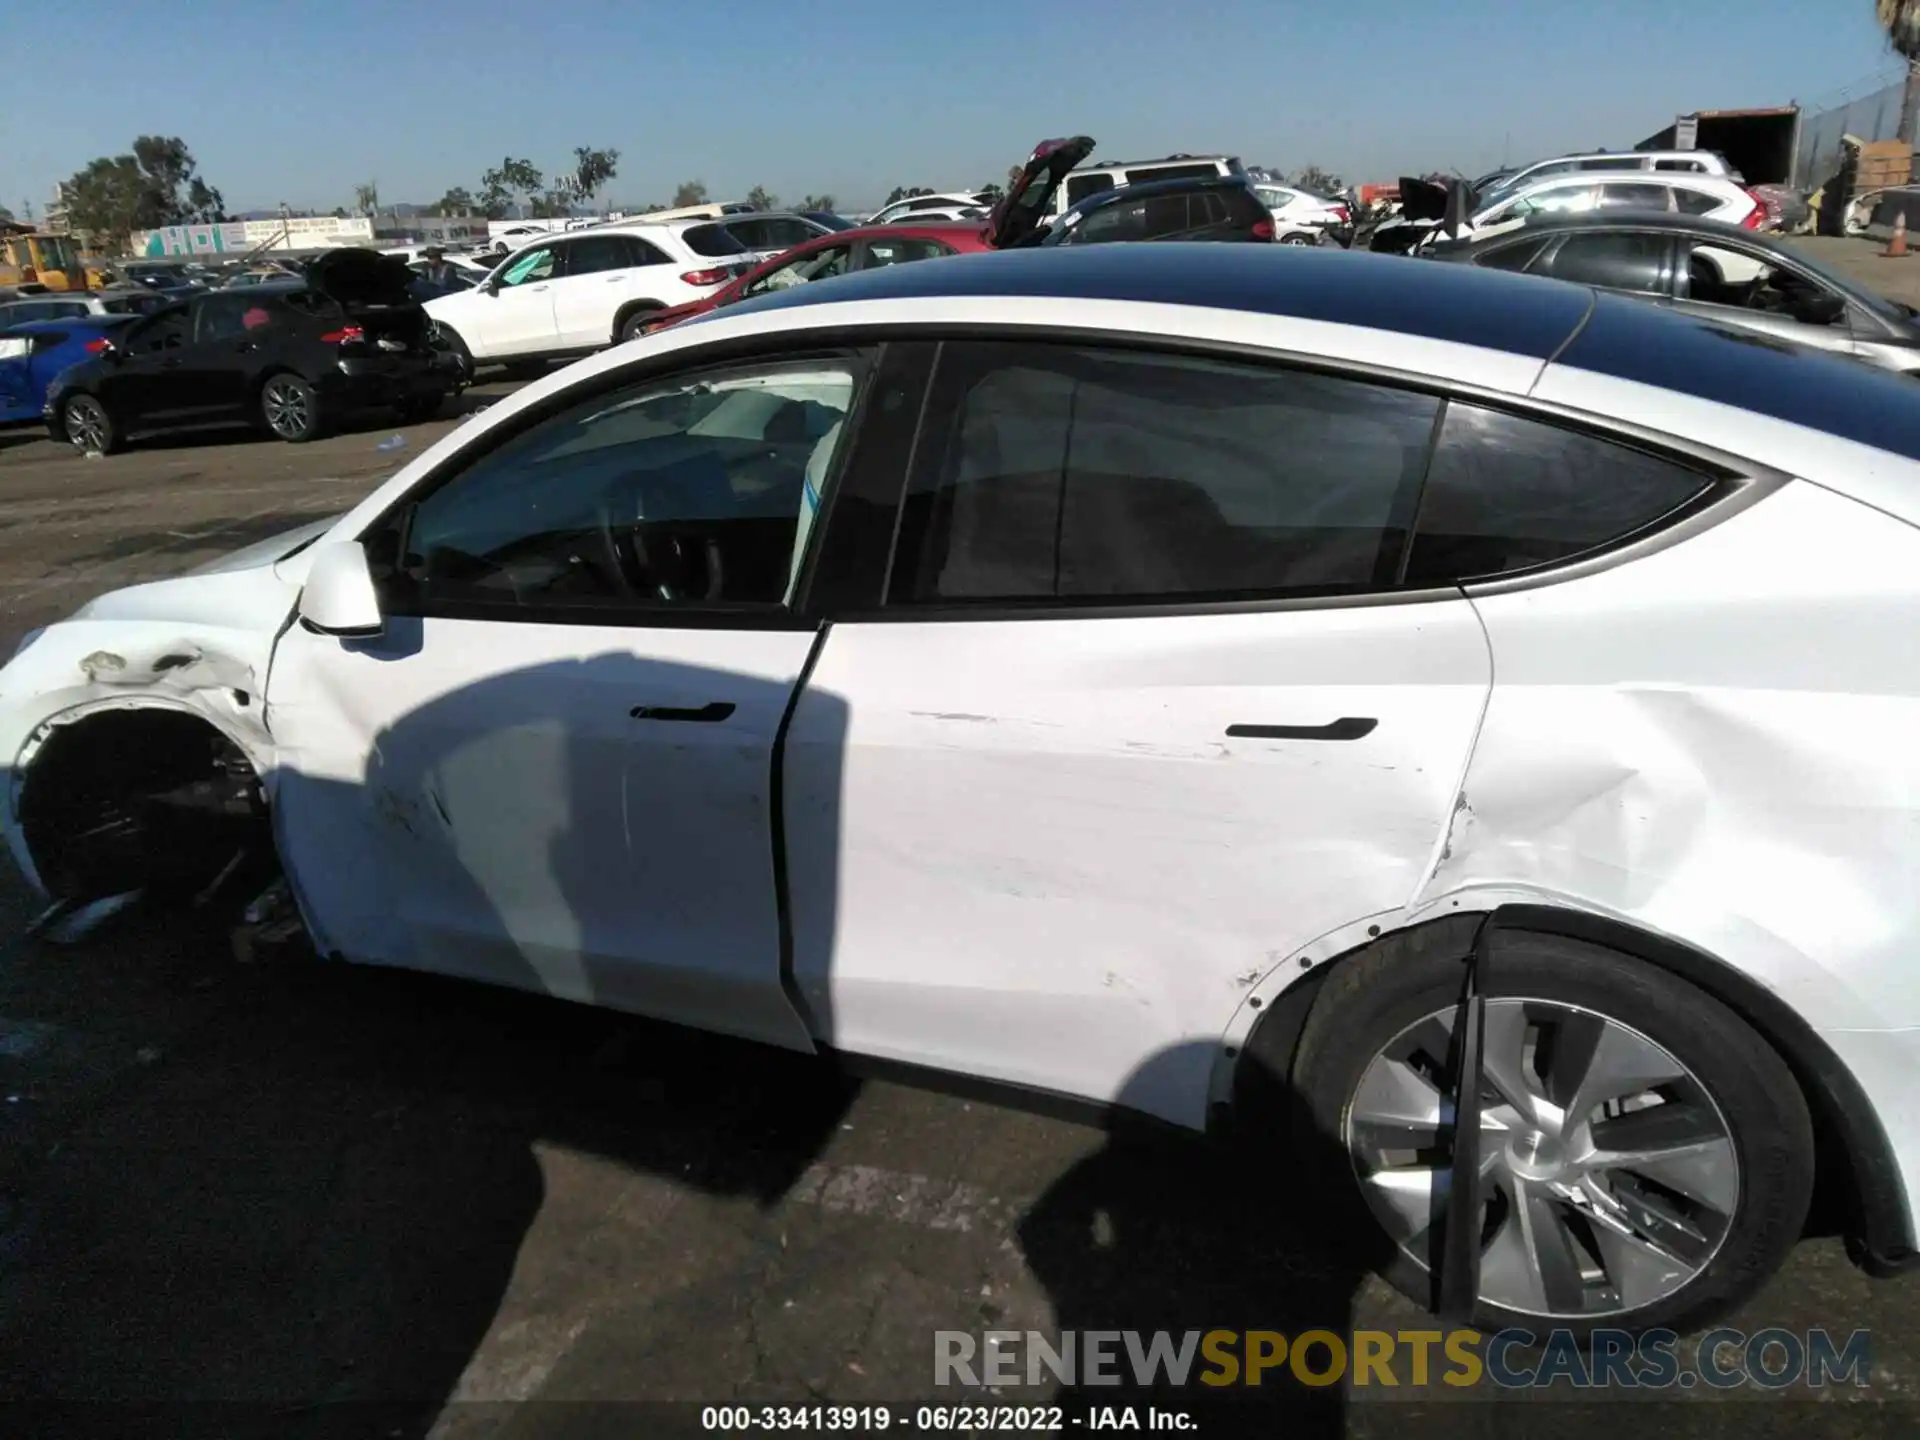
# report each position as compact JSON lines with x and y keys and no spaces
{"x":1901,"y":20}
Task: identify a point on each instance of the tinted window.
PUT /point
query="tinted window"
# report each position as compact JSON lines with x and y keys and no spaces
{"x":229,"y":317}
{"x":1170,"y":172}
{"x":1512,"y":257}
{"x":1633,"y":197}
{"x":165,"y":331}
{"x":689,"y":492}
{"x":1081,"y":186}
{"x":1695,"y":202}
{"x":643,"y":252}
{"x":712,"y":240}
{"x":1118,"y":221}
{"x":1055,"y":471}
{"x":1615,"y":261}
{"x":902,"y":250}
{"x":1507,"y":493}
{"x":596,"y":253}
{"x":1165,"y":217}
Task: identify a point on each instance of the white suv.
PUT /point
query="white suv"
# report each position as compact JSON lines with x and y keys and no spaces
{"x":1092,"y":179}
{"x":585,"y":290}
{"x":1674,"y":162}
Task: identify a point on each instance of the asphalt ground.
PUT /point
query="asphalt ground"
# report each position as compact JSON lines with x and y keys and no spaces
{"x":294,"y":1198}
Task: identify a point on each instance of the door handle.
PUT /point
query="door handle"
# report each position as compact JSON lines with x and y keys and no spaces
{"x":1349,"y":727}
{"x":706,"y":715}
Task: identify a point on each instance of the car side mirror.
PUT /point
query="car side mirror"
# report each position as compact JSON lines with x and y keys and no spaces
{"x":340,"y":598}
{"x":1819,"y":307}
{"x":491,"y":286}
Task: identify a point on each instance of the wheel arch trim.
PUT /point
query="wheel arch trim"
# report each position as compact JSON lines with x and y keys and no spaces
{"x":1880,"y":1235}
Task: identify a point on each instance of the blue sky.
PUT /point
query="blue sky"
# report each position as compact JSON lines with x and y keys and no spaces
{"x":298,"y":102}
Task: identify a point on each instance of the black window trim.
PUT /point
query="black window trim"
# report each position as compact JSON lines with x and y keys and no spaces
{"x":1738,"y":483}
{"x":1734,"y":484}
{"x":864,"y":357}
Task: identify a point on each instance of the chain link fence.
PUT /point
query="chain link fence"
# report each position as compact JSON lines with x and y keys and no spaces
{"x":1864,"y":112}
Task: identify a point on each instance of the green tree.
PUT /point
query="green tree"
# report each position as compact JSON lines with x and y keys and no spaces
{"x":592,"y":169}
{"x":1901,"y":20}
{"x":366,"y":198}
{"x":817,"y":202}
{"x":457,"y":201}
{"x":992,"y":192}
{"x":691,"y":192}
{"x":760,"y":198}
{"x":512,"y":184}
{"x":1316,"y":181}
{"x":158,"y":184}
{"x":905,"y":192}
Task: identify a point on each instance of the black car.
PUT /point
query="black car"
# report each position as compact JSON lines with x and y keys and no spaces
{"x":1202,"y":207}
{"x":294,"y":357}
{"x":1720,"y":272}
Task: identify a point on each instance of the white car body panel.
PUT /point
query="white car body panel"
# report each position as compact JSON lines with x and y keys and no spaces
{"x":476,"y":798}
{"x":1127,"y":870}
{"x":1107,"y":877}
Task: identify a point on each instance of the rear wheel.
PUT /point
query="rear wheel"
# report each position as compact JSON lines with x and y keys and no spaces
{"x":88,"y":426}
{"x":1296,"y":239}
{"x":635,"y":325}
{"x":290,"y":408}
{"x":1646,"y":1158}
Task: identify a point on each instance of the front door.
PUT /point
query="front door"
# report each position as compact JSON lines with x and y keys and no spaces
{"x":517,"y":318}
{"x":231,"y":338}
{"x":1126,"y":734}
{"x":144,"y":386}
{"x":597,"y":271}
{"x":1731,"y":284}
{"x":553,"y":769}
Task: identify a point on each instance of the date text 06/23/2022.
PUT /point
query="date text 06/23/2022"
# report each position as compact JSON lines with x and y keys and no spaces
{"x":940,"y":1419}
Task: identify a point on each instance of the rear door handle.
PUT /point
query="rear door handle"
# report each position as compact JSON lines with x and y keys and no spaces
{"x":710,"y":714}
{"x":1349,"y":727}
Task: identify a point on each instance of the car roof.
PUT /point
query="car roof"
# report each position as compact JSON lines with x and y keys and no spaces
{"x":1149,"y":188}
{"x":1526,"y":316}
{"x":1556,"y":222}
{"x":1684,"y":179}
{"x":41,"y":327}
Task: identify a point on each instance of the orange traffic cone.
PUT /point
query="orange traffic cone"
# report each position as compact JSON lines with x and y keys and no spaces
{"x":1897,"y":246}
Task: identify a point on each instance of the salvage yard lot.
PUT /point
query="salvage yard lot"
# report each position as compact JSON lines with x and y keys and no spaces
{"x":297,"y":1183}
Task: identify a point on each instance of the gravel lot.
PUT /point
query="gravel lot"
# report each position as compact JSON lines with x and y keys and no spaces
{"x":282,"y":1185}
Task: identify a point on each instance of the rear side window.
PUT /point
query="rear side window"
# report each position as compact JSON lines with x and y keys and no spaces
{"x":1081,"y":186}
{"x":1506,"y":493}
{"x":1165,"y":217}
{"x":1512,"y":257}
{"x":1695,"y":202}
{"x":1170,"y":172}
{"x":711,"y":241}
{"x":1613,"y":260}
{"x":1615,"y":196}
{"x":1615,"y":162}
{"x":1057,"y":472}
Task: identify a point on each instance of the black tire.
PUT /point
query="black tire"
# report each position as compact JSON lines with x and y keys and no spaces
{"x":1297,"y":239}
{"x":89,"y":426}
{"x":290,"y":409}
{"x":634,"y":324}
{"x":1377,"y":995}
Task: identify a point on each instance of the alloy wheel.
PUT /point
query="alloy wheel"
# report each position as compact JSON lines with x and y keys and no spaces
{"x":1609,"y":1173}
{"x":286,"y":407}
{"x":87,"y":424}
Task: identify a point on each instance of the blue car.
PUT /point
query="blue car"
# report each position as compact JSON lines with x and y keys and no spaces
{"x":33,"y":353}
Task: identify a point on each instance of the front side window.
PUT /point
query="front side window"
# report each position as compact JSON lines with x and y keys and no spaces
{"x":165,"y":330}
{"x":669,"y":494}
{"x":815,"y":265}
{"x":1614,"y":260}
{"x":1507,"y":493}
{"x":1512,"y":257}
{"x":528,"y":269}
{"x":903,"y":251}
{"x":712,"y":241}
{"x":1065,"y":473}
{"x":1720,"y":275}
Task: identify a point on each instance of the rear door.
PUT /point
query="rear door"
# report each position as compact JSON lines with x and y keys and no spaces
{"x":1632,"y":262}
{"x":234,"y":336}
{"x":1126,"y":731}
{"x":596,"y":277}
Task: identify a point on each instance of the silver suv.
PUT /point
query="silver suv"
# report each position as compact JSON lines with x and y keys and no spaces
{"x":1110,"y":175}
{"x":1686,"y":162}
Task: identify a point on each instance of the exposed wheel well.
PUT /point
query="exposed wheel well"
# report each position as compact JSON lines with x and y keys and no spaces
{"x":1859,"y":1177}
{"x":140,"y":799}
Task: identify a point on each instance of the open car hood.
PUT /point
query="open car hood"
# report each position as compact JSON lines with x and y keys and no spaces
{"x":1024,"y":206}
{"x":354,"y":276}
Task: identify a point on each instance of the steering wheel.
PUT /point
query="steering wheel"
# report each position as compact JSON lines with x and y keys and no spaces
{"x":625,"y":547}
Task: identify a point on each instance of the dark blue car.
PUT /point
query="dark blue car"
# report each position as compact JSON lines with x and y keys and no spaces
{"x":33,"y":353}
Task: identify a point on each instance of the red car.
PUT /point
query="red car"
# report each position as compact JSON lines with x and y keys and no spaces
{"x":1014,"y":219}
